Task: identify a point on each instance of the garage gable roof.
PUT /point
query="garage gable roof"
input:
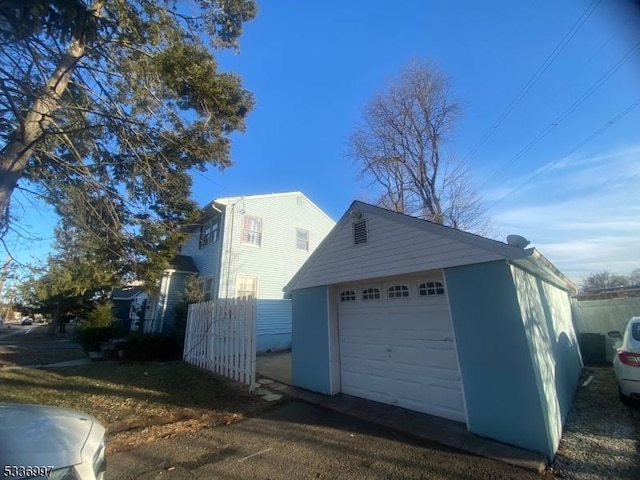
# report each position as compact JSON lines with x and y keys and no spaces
{"x":394,"y":244}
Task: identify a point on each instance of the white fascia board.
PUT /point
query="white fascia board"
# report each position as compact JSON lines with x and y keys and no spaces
{"x":539,"y":265}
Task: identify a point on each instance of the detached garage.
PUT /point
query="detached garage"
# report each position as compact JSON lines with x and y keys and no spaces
{"x":414,"y":314}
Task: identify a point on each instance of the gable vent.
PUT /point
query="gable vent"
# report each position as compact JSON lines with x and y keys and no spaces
{"x":360,"y":232}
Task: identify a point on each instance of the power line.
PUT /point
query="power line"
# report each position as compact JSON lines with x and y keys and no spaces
{"x":543,"y":133}
{"x":536,"y":76}
{"x":586,"y":140}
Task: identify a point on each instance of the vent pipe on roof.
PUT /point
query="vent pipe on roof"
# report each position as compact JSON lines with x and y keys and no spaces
{"x":517,"y":241}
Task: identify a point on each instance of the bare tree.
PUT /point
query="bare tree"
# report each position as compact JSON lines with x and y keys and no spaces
{"x":604,"y":279}
{"x":398,"y":148}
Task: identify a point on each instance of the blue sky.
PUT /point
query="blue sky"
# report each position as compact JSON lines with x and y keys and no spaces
{"x":312,"y":66}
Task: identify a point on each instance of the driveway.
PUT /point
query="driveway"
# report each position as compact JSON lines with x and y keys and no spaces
{"x":298,"y":440}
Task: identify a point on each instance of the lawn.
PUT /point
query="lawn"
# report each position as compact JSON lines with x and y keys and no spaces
{"x":136,"y":402}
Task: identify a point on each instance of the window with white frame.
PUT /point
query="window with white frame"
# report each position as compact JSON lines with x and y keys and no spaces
{"x":247,"y":286}
{"x":347,"y":296}
{"x":209,"y":233}
{"x":207,"y":289}
{"x":430,"y":288}
{"x":398,"y":291}
{"x":370,"y":293}
{"x":302,"y":239}
{"x":251,"y":230}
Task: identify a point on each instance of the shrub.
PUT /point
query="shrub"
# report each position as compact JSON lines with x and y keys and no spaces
{"x":147,"y":347}
{"x":91,"y":338}
{"x":102,"y":315}
{"x":98,"y":328}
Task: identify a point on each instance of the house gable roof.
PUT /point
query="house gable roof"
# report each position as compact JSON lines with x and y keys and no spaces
{"x":223,"y":202}
{"x":126,"y":293}
{"x":399,"y":244}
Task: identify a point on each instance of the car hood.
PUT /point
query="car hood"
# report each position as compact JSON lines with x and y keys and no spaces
{"x":41,"y":435}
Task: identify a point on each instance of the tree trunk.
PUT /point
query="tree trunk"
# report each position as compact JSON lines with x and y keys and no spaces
{"x":15,"y":156}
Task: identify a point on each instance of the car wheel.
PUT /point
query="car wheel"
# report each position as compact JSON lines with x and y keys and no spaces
{"x":623,"y":398}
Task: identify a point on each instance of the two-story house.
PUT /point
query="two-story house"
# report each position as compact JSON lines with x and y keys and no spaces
{"x":248,"y":246}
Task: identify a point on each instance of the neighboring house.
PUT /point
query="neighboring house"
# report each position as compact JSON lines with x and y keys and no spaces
{"x":250,"y":246}
{"x":418,"y":315}
{"x":161,"y":315}
{"x":125,"y":300}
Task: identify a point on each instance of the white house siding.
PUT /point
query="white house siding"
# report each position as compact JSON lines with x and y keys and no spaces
{"x":546,"y":315}
{"x":276,"y":260}
{"x":393,"y":248}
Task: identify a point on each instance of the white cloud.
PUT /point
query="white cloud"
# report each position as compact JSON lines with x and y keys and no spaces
{"x":581,"y":213}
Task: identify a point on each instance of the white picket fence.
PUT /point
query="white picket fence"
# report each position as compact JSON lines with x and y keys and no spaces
{"x":221,"y":337}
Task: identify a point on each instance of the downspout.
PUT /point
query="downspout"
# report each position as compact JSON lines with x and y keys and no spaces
{"x":165,"y":295}
{"x":230,"y":251}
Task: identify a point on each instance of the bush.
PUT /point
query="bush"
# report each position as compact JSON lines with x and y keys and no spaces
{"x":102,"y":315}
{"x":98,"y":328}
{"x":147,"y":347}
{"x":91,"y":338}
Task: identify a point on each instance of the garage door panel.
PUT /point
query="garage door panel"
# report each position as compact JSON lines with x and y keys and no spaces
{"x":401,"y":352}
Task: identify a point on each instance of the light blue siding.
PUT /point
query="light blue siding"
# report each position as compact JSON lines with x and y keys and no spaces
{"x":310,"y":357}
{"x":499,"y":381}
{"x":273,"y":328}
{"x":546,"y":316}
{"x":164,"y":323}
{"x":277,"y":259}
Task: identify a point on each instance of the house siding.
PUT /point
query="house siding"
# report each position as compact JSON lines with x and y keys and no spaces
{"x":171,"y":287}
{"x":276,"y":260}
{"x":310,"y":353}
{"x":546,"y":316}
{"x":273,"y":329}
{"x":500,"y":385}
{"x":207,"y":259}
{"x":393,"y":248}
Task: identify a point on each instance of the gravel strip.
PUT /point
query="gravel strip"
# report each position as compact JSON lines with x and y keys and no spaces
{"x":601,"y":437}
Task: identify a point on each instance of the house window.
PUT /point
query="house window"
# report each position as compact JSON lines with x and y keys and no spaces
{"x":348,"y":296}
{"x":302,"y":239}
{"x":430,"y":288}
{"x":251,"y":230}
{"x":398,"y":291}
{"x":209,"y":233}
{"x":247,"y":286}
{"x":360,"y":232}
{"x":207,"y":289}
{"x":370,"y":294}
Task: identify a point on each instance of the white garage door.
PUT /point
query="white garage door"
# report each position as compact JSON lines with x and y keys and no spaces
{"x":397,"y":347}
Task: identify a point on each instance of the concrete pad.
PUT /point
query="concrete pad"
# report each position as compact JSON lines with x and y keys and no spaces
{"x":265,"y":381}
{"x":262,"y":391}
{"x":428,"y":427}
{"x":272,"y":397}
{"x":504,"y":453}
{"x":276,"y":366}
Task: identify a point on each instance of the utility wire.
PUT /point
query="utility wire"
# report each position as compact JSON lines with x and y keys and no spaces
{"x":586,"y":140}
{"x":545,"y":131}
{"x":536,"y":76}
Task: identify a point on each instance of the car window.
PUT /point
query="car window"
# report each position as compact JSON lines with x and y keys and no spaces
{"x":635,"y":331}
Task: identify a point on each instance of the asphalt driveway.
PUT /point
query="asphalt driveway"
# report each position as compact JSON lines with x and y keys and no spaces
{"x":298,"y":440}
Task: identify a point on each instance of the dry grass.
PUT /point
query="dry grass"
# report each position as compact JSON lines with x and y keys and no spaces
{"x":136,"y":402}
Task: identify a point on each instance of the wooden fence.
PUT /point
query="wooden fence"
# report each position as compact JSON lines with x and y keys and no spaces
{"x":221,"y":337}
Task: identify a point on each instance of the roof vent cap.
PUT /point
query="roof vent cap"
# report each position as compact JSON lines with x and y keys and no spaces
{"x":517,"y":241}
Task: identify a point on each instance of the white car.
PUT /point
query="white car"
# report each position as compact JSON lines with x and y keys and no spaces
{"x":626,"y":362}
{"x":41,"y":442}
